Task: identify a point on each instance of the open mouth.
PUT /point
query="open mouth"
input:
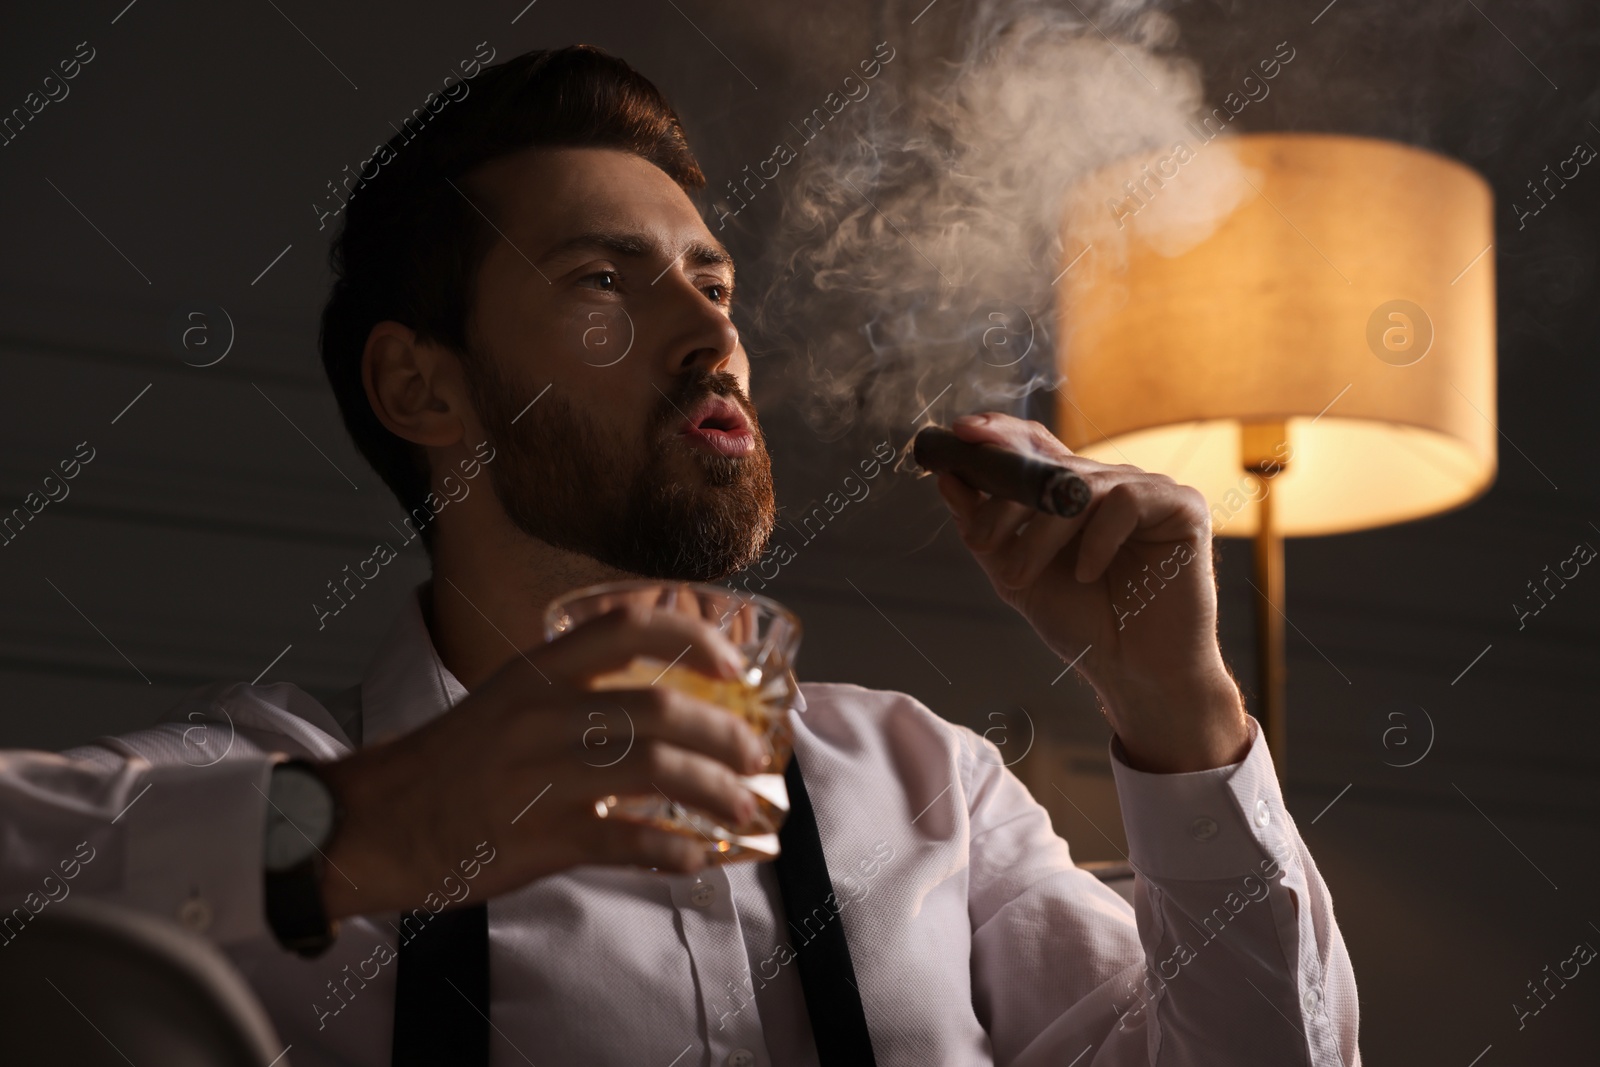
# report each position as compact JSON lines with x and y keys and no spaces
{"x":718,"y":425}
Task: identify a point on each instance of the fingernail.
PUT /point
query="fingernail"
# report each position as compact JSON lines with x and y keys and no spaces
{"x":971,"y":420}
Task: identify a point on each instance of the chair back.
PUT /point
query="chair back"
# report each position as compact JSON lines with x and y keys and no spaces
{"x":89,"y":983}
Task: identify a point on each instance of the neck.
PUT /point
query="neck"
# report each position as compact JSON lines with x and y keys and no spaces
{"x":486,"y":602}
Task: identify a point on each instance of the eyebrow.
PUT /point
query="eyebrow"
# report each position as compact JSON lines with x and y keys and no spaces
{"x":697,"y":253}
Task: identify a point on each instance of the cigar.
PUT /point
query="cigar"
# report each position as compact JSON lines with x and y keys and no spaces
{"x":1049,"y":487}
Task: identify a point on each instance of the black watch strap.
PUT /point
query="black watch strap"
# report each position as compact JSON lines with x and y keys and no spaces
{"x":294,"y":909}
{"x":293,"y":897}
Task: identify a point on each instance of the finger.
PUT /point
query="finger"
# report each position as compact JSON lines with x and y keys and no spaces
{"x":601,"y":729}
{"x":665,"y":714}
{"x":621,"y":841}
{"x":611,"y":641}
{"x":657,"y":767}
{"x":1161,"y":510}
{"x":1114,"y":521}
{"x":1037,"y":546}
{"x":994,"y":524}
{"x":1008,"y":431}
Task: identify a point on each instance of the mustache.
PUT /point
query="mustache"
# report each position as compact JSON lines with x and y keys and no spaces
{"x":696,"y":387}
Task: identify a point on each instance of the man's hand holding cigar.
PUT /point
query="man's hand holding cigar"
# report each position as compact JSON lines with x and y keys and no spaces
{"x":1160,"y":674}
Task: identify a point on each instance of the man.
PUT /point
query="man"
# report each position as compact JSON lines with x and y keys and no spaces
{"x":490,"y":277}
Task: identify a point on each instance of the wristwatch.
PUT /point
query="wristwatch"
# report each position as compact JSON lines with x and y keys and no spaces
{"x":302,"y":816}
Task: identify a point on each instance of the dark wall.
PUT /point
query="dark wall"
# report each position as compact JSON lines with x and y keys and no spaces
{"x":182,"y":170}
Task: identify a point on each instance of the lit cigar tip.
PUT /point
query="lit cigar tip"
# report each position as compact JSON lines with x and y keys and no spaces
{"x":1065,"y":494}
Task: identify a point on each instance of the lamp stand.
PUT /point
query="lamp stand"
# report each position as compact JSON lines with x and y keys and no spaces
{"x":1260,"y":452}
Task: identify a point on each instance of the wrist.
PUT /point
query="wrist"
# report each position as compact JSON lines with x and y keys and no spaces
{"x":352,"y":883}
{"x":1177,"y":723}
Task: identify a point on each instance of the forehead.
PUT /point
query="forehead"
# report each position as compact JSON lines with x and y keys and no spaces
{"x":543,"y":195}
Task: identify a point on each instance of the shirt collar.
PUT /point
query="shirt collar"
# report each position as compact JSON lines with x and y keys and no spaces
{"x":406,"y":684}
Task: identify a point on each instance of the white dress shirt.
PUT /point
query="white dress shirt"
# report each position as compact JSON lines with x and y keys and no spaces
{"x":975,"y":939}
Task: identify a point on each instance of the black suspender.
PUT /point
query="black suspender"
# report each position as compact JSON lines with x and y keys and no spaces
{"x":838,"y":1022}
{"x":441,"y":1010}
{"x":435,"y":1024}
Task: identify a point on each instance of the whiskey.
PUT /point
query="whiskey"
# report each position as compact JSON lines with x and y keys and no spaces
{"x":763,"y":703}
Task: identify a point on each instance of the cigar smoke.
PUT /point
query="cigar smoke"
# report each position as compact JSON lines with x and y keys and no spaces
{"x":918,"y":245}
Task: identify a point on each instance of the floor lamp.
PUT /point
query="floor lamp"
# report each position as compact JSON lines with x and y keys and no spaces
{"x":1299,"y":325}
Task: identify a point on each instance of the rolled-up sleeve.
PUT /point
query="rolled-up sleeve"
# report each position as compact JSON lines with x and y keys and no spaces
{"x":1230,"y":954}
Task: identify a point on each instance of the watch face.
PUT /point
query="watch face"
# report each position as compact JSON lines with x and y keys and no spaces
{"x":299,"y":817}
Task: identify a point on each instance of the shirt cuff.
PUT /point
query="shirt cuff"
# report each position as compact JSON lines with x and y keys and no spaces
{"x":1204,"y":825}
{"x":194,"y":849}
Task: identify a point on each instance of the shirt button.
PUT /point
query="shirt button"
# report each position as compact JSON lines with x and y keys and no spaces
{"x":195,"y":914}
{"x":1203,"y":829}
{"x":701,"y":896}
{"x":741,"y":1057}
{"x":1263,"y":816}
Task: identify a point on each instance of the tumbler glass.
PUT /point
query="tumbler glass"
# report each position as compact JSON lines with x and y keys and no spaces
{"x":768,"y":634}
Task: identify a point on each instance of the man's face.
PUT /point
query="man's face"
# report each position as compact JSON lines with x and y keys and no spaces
{"x":606,"y":370}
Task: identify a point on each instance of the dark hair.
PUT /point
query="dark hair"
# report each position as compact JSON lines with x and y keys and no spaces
{"x":410,"y":246}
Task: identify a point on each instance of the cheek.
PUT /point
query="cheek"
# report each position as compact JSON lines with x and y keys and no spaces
{"x":598,"y":337}
{"x":538,"y":333}
{"x":577,"y":348}
{"x":739,"y":367}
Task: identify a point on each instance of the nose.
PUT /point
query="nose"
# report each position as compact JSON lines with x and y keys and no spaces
{"x":702,"y":336}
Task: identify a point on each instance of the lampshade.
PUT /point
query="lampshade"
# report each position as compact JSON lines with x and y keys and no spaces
{"x":1337,"y":290}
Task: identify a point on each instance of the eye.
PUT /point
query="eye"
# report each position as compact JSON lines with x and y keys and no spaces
{"x":604,"y":280}
{"x":719,"y":293}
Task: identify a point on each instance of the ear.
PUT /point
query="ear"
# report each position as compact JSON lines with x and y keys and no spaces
{"x":416,"y":388}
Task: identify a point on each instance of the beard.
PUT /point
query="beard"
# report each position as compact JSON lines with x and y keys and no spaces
{"x":564,"y":480}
